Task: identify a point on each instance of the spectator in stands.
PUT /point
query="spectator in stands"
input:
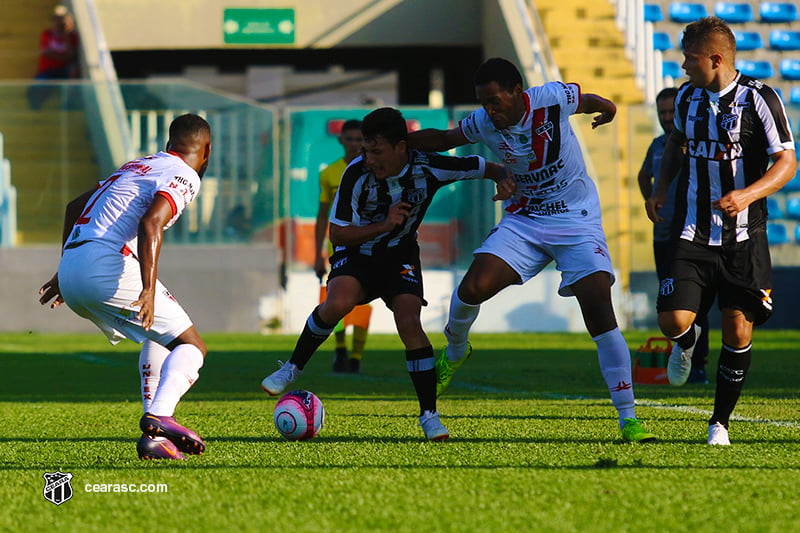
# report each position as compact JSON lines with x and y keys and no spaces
{"x":731,"y":127}
{"x":663,"y":242}
{"x":58,"y":53}
{"x":351,"y":140}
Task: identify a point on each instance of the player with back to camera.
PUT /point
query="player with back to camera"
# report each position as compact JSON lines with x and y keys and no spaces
{"x":351,"y":139}
{"x":663,"y":240}
{"x":554,"y":216}
{"x":108,"y":274}
{"x":731,"y":126}
{"x":381,"y":202}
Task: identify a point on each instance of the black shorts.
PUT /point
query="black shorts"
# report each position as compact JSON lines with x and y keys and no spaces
{"x":393,"y":272}
{"x":740,"y":277}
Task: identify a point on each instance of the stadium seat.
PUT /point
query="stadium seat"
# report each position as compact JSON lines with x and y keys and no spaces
{"x":794,"y":95}
{"x":779,"y":92}
{"x":793,"y":208}
{"x":748,"y":40}
{"x":784,"y":40}
{"x":797,"y":234}
{"x":774,"y":208}
{"x":661,"y":41}
{"x":778,"y":12}
{"x":653,"y":13}
{"x":777,"y":234}
{"x":685,"y":12}
{"x":790,"y":69}
{"x":671,"y":69}
{"x":794,"y":184}
{"x":755,"y":69}
{"x":735,"y":13}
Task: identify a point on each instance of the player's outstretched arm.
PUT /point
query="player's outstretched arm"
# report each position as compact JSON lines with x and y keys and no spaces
{"x":151,"y":235}
{"x":592,"y":103}
{"x":432,"y":140}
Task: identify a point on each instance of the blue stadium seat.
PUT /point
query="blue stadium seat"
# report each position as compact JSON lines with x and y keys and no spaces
{"x":686,"y":12}
{"x":671,"y":69}
{"x":748,"y":40}
{"x":653,"y":13}
{"x":794,"y":95}
{"x":793,"y":208}
{"x":784,"y":40}
{"x":797,"y":234}
{"x":790,"y":69}
{"x":774,"y":208}
{"x":794,"y":184}
{"x":735,"y":13}
{"x":777,"y":233}
{"x":661,"y":41}
{"x":755,"y":69}
{"x":778,"y":12}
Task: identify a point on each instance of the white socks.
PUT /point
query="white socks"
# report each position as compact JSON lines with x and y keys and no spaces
{"x":615,"y":364}
{"x":151,"y":358}
{"x":461,"y":318}
{"x":178,"y":374}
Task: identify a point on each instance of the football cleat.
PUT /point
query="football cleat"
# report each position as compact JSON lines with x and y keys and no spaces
{"x":354,"y":365}
{"x":277,"y":382}
{"x":679,"y":365}
{"x":340,"y":360}
{"x":445,"y":368}
{"x":157,"y":448}
{"x":718,"y":435}
{"x":432,"y":426}
{"x":633,"y":431}
{"x":186,"y":440}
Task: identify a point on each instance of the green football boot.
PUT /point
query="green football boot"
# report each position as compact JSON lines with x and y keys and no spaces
{"x":445,"y":368}
{"x":633,"y":431}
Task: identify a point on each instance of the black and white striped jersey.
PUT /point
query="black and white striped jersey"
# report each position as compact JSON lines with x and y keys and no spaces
{"x":730,"y":137}
{"x":362,"y":200}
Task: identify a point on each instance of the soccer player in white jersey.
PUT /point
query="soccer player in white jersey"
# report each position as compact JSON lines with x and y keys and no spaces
{"x":554,"y":216}
{"x":380,"y":203}
{"x":108,"y":274}
{"x":731,"y":127}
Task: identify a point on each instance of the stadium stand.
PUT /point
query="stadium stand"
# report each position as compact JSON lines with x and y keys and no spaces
{"x":797,"y":234}
{"x":784,"y":40}
{"x":790,"y":69}
{"x":778,"y":12}
{"x":662,"y":41}
{"x":653,"y":13}
{"x":793,"y":208}
{"x":685,"y":12}
{"x":774,"y":208}
{"x":777,"y":234}
{"x":793,"y":185}
{"x":760,"y":69}
{"x":735,"y":13}
{"x":671,"y":69}
{"x":748,"y":40}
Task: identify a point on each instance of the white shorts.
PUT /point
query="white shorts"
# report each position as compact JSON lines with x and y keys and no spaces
{"x":528,"y":244}
{"x":99,"y":283}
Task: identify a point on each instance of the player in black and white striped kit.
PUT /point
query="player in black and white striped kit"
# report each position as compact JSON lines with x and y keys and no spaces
{"x":381,"y":201}
{"x":730,"y":127}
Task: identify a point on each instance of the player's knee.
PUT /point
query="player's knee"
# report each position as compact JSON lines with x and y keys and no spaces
{"x":472,"y":291}
{"x":671,"y":324}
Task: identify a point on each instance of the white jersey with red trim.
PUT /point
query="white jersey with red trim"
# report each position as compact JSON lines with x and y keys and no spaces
{"x":113,"y":212}
{"x":544,"y":155}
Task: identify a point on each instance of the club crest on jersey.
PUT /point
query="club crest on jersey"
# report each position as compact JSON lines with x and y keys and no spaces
{"x":414,"y":196}
{"x":545,"y":130}
{"x":729,"y":121}
{"x":667,"y":286}
{"x":57,"y":488}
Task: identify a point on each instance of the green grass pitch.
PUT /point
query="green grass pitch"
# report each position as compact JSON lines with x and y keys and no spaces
{"x":534,"y":443}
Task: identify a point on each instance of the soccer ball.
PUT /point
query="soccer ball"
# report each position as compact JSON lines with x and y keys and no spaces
{"x":299,"y":415}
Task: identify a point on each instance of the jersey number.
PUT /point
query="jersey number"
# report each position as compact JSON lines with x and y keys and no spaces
{"x":84,"y":218}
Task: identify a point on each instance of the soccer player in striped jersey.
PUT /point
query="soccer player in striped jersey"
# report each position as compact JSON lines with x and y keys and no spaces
{"x":381,"y":201}
{"x":731,"y":127}
{"x":555,"y":216}
{"x":108,"y":274}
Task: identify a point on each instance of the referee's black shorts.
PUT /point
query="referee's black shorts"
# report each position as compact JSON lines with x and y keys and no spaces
{"x":385,"y":275}
{"x":740,"y":277}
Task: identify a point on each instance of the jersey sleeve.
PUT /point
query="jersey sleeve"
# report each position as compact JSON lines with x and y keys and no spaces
{"x":773,"y":116}
{"x":325,"y":189}
{"x":568,"y":95}
{"x":679,"y":120}
{"x":345,"y":204}
{"x":473,"y":125}
{"x":448,"y":169}
{"x":647,"y":164}
{"x":179,"y":190}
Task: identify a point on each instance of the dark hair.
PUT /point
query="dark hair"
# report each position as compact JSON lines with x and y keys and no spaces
{"x":385,"y":122}
{"x":700,"y":30}
{"x":186,"y":127}
{"x":351,"y":124}
{"x":667,"y":92}
{"x":498,"y":70}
